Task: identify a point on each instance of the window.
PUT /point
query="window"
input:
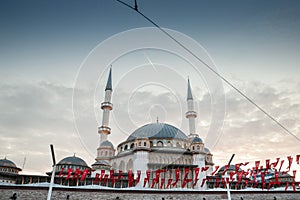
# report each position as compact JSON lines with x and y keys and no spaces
{"x":145,"y":144}
{"x":160,"y":143}
{"x":122,"y":165}
{"x":166,"y":160}
{"x":131,"y":146}
{"x":126,"y":147}
{"x":129,"y":165}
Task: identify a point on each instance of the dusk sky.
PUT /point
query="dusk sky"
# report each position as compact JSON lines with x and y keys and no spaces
{"x":50,"y":95}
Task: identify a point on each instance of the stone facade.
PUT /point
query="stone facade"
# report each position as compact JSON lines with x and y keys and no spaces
{"x":38,"y":193}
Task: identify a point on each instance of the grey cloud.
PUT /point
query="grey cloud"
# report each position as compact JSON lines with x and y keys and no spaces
{"x":33,"y":116}
{"x":247,"y":131}
{"x":36,"y":114}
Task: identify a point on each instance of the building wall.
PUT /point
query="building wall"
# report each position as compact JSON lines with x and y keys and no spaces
{"x":122,"y":163}
{"x":37,"y":193}
{"x":153,"y":157}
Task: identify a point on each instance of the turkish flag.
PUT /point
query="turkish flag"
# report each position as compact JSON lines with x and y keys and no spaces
{"x":137,"y":180}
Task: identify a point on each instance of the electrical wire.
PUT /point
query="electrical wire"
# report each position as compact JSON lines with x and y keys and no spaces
{"x":211,"y":69}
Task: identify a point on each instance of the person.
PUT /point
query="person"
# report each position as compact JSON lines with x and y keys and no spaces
{"x":14,"y":196}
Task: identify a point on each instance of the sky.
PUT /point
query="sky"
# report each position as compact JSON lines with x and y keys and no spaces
{"x":55,"y":56}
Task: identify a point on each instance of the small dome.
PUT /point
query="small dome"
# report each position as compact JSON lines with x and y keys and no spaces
{"x":206,"y":150}
{"x":106,"y":143}
{"x":7,"y":163}
{"x":197,"y":139}
{"x":73,"y":160}
{"x":157,"y":131}
{"x":231,"y":168}
{"x":100,"y":162}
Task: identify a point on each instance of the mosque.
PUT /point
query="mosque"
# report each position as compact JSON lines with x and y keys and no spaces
{"x":152,"y":148}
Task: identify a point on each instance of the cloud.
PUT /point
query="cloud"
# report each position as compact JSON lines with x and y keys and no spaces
{"x":36,"y":114}
{"x":33,"y":116}
{"x":250,"y":133}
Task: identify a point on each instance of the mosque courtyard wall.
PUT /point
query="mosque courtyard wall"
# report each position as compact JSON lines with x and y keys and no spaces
{"x":38,"y":193}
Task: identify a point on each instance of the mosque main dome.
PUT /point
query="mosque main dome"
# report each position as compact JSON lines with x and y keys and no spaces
{"x":157,"y":131}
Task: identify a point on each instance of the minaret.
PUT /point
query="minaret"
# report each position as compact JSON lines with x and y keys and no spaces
{"x":191,"y":114}
{"x":106,"y":106}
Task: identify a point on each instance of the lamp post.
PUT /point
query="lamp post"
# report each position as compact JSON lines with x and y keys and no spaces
{"x":53,"y":173}
{"x":226,"y":176}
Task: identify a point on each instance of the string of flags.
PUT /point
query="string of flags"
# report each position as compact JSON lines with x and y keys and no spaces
{"x":254,"y":176}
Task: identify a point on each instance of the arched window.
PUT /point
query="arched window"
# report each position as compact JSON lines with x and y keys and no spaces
{"x":126,"y":147}
{"x":161,"y":160}
{"x":129,"y":165}
{"x":122,"y":165}
{"x":198,"y":147}
{"x":151,"y":144}
{"x":114,"y":165}
{"x":166,"y":161}
{"x":145,"y":144}
{"x":169,"y":144}
{"x":140,"y":144}
{"x":106,"y":153}
{"x":160,"y":144}
{"x":178,"y":144}
{"x":132,"y":146}
{"x":193,"y":147}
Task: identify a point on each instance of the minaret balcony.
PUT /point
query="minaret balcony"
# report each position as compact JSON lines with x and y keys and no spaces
{"x":106,"y":105}
{"x":190,"y":114}
{"x":104,"y":129}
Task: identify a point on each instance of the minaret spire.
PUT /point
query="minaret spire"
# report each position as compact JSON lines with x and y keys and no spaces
{"x":109,"y":81}
{"x":106,"y":106}
{"x":189,"y":91}
{"x":191,"y":114}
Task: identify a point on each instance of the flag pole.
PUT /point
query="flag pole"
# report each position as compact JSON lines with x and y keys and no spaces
{"x":53,"y":172}
{"x":226,"y":176}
